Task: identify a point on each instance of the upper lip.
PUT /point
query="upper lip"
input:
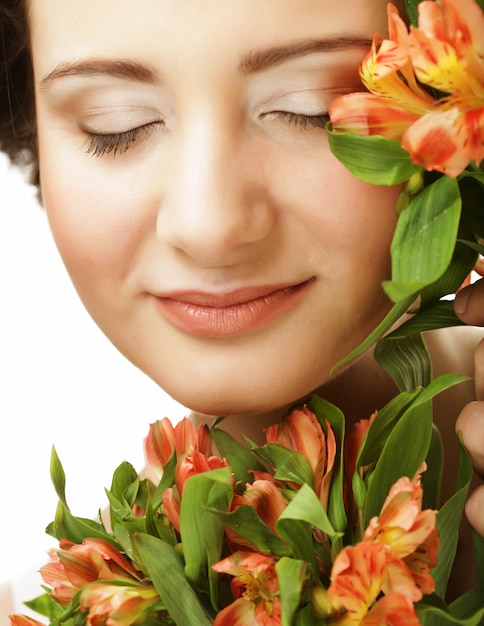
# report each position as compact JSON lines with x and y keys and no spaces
{"x":230,"y":298}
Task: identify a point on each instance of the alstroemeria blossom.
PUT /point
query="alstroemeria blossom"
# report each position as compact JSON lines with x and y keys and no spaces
{"x":408,"y":532}
{"x":117,"y":605}
{"x":352,"y":445}
{"x":446,"y":53}
{"x":24,"y":620}
{"x":301,"y":431}
{"x":74,"y":566}
{"x":255,"y":589}
{"x":164,"y":438}
{"x":264,"y":496}
{"x":359,"y":575}
{"x":194,"y":463}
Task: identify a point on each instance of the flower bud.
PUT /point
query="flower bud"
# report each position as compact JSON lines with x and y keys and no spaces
{"x":415,"y":183}
{"x":320,"y":603}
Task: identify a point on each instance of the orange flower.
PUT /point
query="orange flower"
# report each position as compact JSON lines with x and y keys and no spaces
{"x":358,"y":577}
{"x":445,"y":52}
{"x":352,"y":445}
{"x":163,"y":439}
{"x":266,"y":499}
{"x":117,"y":605}
{"x":408,"y":532}
{"x":190,"y":465}
{"x":392,"y":610}
{"x":255,"y":589}
{"x":74,"y":566}
{"x":301,"y":431}
{"x":23,"y":620}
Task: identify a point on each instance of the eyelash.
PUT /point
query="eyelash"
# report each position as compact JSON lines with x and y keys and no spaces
{"x":116,"y":143}
{"x":119,"y":143}
{"x":304,"y":122}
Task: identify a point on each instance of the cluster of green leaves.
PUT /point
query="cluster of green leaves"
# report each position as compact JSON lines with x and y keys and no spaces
{"x":437,"y":239}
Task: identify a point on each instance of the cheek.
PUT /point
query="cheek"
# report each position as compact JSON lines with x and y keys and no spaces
{"x":351,"y":222}
{"x":96,"y":221}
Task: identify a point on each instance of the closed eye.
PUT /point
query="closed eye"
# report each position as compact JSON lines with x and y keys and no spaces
{"x":99,"y":144}
{"x":302,"y":121}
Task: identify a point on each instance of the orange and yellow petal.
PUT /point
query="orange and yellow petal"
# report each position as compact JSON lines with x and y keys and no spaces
{"x":446,"y":140}
{"x":392,"y":610}
{"x":367,"y":114}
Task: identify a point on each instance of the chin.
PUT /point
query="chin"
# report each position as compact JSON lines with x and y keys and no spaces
{"x":219,"y":401}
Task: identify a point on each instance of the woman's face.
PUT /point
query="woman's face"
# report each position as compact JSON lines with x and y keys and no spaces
{"x":192,"y":193}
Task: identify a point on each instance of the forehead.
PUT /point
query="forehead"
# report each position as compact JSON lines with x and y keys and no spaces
{"x":189,"y":30}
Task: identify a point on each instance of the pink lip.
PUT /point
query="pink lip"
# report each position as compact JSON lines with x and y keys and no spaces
{"x":230,"y":314}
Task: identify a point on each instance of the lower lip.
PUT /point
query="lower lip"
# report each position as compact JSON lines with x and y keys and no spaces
{"x":230,"y":321}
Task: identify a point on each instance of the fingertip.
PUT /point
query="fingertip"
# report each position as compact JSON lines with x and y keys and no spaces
{"x":474,"y":509}
{"x":461,"y":301}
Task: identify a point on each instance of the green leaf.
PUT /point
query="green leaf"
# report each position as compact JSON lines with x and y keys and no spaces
{"x":46,"y":606}
{"x":291,"y":577}
{"x":406,"y":359}
{"x":305,"y":617}
{"x":463,"y":261}
{"x":395,"y":313}
{"x":403,"y":454}
{"x":296,"y":523}
{"x":166,"y":572}
{"x":381,"y":427}
{"x":324,"y":410}
{"x":289,"y":464}
{"x":65,"y":525}
{"x":424,"y":239}
{"x":58,"y":477}
{"x":439,"y":384}
{"x":202,"y":533}
{"x":124,"y":476}
{"x":432,"y":610}
{"x":440,"y":315}
{"x":374,"y":159}
{"x":411,"y":7}
{"x":432,"y":477}
{"x":478,"y":541}
{"x":239,"y":457}
{"x":469,"y":604}
{"x":476,"y":174}
{"x":448,"y":521}
{"x":479,"y":248}
{"x":246,"y":522}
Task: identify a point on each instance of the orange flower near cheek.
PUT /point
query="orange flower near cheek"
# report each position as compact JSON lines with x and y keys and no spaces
{"x":446,"y":53}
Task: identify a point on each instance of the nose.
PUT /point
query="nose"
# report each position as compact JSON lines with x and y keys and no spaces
{"x":214,"y":203}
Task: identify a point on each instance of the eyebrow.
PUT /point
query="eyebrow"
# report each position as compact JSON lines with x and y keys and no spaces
{"x":257,"y":61}
{"x":252,"y":62}
{"x":117,"y":68}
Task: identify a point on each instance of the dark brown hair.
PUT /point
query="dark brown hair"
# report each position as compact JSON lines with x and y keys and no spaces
{"x":17,"y":104}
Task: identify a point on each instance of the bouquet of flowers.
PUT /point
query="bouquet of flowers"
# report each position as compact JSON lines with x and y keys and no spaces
{"x":319,"y":526}
{"x":312,"y":528}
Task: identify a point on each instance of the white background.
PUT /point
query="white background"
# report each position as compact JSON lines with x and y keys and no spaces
{"x":61,"y":383}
